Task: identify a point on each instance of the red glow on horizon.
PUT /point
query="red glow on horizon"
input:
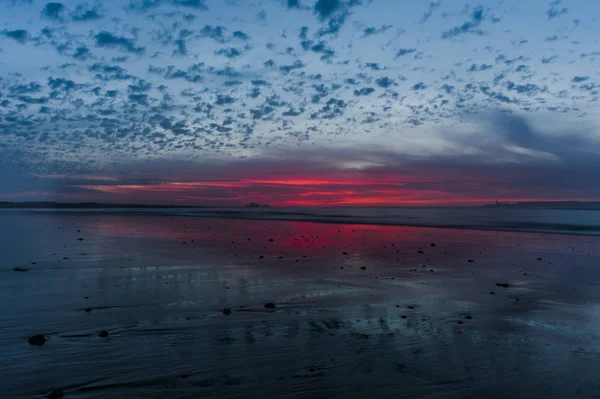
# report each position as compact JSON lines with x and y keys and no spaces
{"x":351,"y":189}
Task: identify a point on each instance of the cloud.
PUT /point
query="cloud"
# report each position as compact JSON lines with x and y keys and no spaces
{"x":507,"y":158}
{"x":143,"y":5}
{"x":327,"y":8}
{"x":365,"y":91}
{"x":214,"y":32}
{"x":83,"y":15}
{"x":240,"y":35}
{"x":468,"y":27}
{"x":385,"y":82}
{"x":579,"y":79}
{"x":556,"y":12}
{"x":404,"y":51}
{"x":101,"y":83}
{"x":82,"y":53}
{"x":376,"y":31}
{"x":431,"y":8}
{"x":108,"y":40}
{"x":109,"y":72}
{"x":54,"y":10}
{"x":195,"y":4}
{"x":549,"y":60}
{"x":293,"y":3}
{"x":19,"y":35}
{"x":231,"y":52}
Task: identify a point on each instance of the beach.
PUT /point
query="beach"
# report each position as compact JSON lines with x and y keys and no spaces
{"x":360,"y":310}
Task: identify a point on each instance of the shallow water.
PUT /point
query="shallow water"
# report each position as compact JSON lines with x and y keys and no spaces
{"x":566,"y":221}
{"x":158,"y":285}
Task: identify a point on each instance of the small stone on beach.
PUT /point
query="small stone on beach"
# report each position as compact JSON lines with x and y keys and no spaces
{"x":103,"y":334}
{"x":20,"y":269}
{"x":37,"y":340}
{"x":56,"y":394}
{"x":226,"y":311}
{"x":269,"y":305}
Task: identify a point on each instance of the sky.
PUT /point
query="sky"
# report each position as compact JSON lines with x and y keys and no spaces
{"x":299,"y":102}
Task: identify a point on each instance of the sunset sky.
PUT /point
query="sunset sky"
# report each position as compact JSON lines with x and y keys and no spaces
{"x":299,"y":102}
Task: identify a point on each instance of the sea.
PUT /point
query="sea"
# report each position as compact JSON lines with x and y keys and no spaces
{"x":445,"y":303}
{"x":586,"y":222}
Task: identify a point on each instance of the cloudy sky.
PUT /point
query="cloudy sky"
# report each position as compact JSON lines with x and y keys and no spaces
{"x":299,"y":102}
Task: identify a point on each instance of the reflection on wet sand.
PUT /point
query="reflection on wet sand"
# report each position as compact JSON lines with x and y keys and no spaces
{"x":378,"y":311}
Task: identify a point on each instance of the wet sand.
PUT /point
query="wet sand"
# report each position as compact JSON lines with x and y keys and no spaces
{"x":360,"y":311}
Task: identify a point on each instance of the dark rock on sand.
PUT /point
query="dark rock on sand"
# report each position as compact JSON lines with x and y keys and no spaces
{"x":37,"y":340}
{"x":226,"y":311}
{"x":20,"y":269}
{"x":363,"y":268}
{"x":56,"y":394}
{"x":432,"y":244}
{"x":471,"y":261}
{"x":503,"y":285}
{"x":468,"y":317}
{"x":87,"y":310}
{"x":270,"y":305}
{"x":103,"y":334}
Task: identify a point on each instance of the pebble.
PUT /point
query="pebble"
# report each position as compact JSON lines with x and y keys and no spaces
{"x":37,"y":340}
{"x":56,"y":394}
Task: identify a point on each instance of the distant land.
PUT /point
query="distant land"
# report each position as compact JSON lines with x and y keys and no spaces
{"x":566,"y":205}
{"x":86,"y":205}
{"x":574,"y":205}
{"x":256,"y":205}
{"x":98,"y":205}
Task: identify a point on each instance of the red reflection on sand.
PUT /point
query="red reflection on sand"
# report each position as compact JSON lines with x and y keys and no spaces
{"x":289,"y":240}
